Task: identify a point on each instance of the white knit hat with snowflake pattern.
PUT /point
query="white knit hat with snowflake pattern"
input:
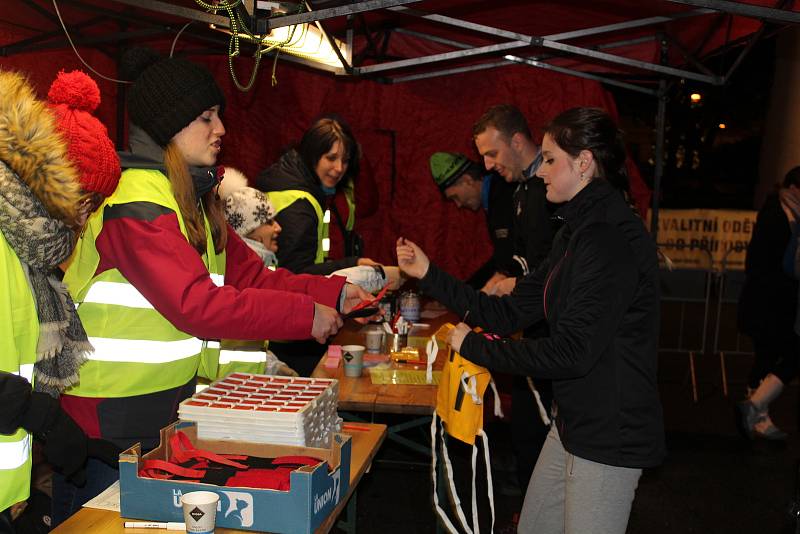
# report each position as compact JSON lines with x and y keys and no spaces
{"x":246,"y":208}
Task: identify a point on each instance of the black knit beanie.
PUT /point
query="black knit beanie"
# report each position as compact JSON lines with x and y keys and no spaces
{"x":167,"y":93}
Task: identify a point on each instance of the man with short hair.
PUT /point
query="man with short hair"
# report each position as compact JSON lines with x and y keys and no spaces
{"x":462,"y":181}
{"x":504,"y":141}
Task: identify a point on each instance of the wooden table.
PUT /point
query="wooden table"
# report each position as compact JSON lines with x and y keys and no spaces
{"x":366,"y":442}
{"x":361,"y":395}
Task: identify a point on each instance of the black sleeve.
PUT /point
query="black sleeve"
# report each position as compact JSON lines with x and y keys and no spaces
{"x":534,"y":229}
{"x":482,"y":275}
{"x":603,"y":285}
{"x":15,"y":398}
{"x":22,"y":407}
{"x":297,"y":242}
{"x":502,"y":315}
{"x":500,"y":222}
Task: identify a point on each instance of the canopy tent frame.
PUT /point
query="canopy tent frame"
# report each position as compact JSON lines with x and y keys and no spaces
{"x":464,"y":57}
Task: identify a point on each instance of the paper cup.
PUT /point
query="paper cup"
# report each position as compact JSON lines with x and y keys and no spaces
{"x":374,"y":340}
{"x":200,"y":511}
{"x":353,"y":356}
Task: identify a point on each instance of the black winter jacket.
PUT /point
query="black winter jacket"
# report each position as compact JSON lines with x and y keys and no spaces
{"x":297,"y":242}
{"x":534,"y":226}
{"x":500,"y":223}
{"x":598,"y":290}
{"x":768,"y":302}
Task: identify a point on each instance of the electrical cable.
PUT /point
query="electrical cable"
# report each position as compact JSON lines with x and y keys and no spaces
{"x":69,"y":38}
{"x":175,"y":41}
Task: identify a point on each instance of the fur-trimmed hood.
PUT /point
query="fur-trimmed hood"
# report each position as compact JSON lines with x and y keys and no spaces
{"x":31,"y":146}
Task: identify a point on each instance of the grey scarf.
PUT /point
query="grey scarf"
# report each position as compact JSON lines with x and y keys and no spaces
{"x":42,"y":243}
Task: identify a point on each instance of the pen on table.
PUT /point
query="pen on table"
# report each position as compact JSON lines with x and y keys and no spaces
{"x":155,"y":524}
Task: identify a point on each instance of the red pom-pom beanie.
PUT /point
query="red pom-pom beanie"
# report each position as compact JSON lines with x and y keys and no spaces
{"x":73,"y":97}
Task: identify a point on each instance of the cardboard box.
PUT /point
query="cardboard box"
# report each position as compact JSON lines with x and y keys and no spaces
{"x":314,"y":493}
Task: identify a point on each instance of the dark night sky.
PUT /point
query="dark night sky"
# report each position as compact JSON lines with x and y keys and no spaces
{"x":706,"y":166}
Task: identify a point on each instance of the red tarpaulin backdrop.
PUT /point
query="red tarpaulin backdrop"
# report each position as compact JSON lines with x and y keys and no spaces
{"x":426,"y":116}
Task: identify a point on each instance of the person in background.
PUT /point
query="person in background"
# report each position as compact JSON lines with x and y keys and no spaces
{"x":768,"y":307}
{"x":503,"y":139}
{"x":461,"y":181}
{"x":598,"y":290}
{"x":251,"y":215}
{"x":54,"y":162}
{"x":159,"y":275}
{"x":301,"y":186}
{"x":350,"y":206}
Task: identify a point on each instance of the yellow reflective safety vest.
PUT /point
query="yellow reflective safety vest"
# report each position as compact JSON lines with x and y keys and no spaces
{"x":233,"y":356}
{"x":350,"y":198}
{"x":137,"y":350}
{"x":18,"y":338}
{"x":283,"y":199}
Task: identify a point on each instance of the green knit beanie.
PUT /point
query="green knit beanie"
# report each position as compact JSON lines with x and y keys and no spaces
{"x":447,"y":167}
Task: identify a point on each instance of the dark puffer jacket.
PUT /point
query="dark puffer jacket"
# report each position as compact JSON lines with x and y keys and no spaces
{"x":297,"y":242}
{"x":598,"y":290}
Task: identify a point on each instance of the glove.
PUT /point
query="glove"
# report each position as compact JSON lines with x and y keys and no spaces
{"x":66,"y":445}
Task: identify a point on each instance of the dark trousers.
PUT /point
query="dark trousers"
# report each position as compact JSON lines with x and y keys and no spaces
{"x":302,"y":356}
{"x":776,"y":352}
{"x":68,"y":498}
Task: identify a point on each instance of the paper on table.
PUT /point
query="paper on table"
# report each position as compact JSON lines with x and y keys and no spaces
{"x":108,"y":500}
{"x":402,"y":377}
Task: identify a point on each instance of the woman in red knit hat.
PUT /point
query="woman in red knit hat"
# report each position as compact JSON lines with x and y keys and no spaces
{"x":47,"y":187}
{"x":73,"y":97}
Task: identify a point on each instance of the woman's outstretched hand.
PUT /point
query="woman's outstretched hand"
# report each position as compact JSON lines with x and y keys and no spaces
{"x":411,"y":259}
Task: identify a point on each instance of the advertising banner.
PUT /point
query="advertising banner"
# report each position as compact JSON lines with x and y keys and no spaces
{"x":705,"y":238}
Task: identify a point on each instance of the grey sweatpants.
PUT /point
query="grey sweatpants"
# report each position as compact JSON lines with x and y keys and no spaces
{"x":570,"y":495}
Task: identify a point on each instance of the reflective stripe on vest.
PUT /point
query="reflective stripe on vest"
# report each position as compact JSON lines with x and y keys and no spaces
{"x":14,"y":454}
{"x":250,"y":356}
{"x":26,"y":372}
{"x":142,"y":350}
{"x":137,"y":350}
{"x":283,"y":199}
{"x":218,"y":363}
{"x":125,"y":294}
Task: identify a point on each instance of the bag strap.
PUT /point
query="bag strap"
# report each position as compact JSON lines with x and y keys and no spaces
{"x":489,"y":484}
{"x":183,"y":451}
{"x":163,"y":470}
{"x":436,"y":432}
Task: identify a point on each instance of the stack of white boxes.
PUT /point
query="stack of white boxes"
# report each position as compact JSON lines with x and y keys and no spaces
{"x":266,"y":409}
